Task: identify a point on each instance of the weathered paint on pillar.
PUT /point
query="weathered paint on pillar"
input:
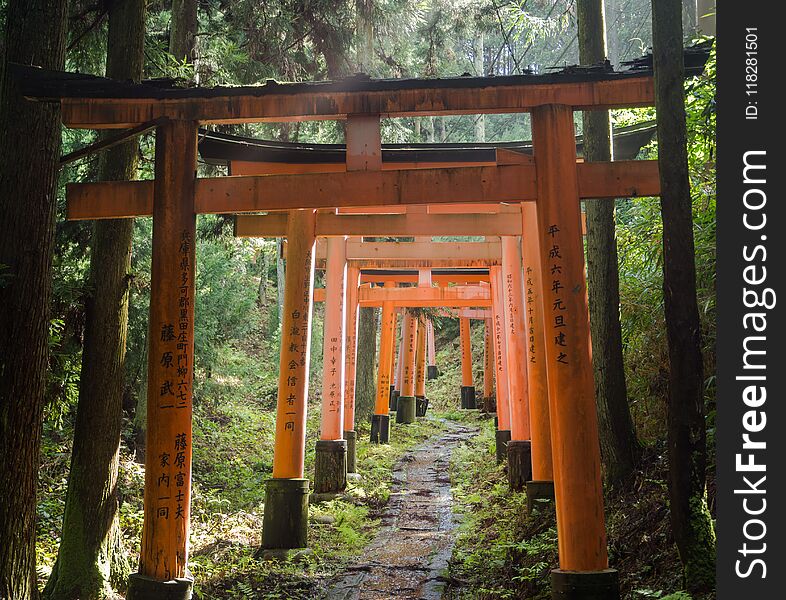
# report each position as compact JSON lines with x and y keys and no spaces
{"x":170,"y":365}
{"x":332,"y":417}
{"x":393,"y":370}
{"x":466,"y":352}
{"x":290,"y":445}
{"x":432,"y":349}
{"x":500,"y":349}
{"x":386,"y":342}
{"x":399,"y":381}
{"x":350,"y":365}
{"x":408,"y":356}
{"x":488,"y":361}
{"x":537,"y":374}
{"x":574,"y":427}
{"x":420,"y":360}
{"x":515,"y":338}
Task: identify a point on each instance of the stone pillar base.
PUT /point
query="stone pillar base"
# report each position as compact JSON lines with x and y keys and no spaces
{"x":585,"y":585}
{"x":421,"y":406}
{"x":330,"y":466}
{"x":468,"y":397}
{"x":489,"y":405}
{"x":519,"y":463}
{"x":285,"y":523}
{"x":380,"y":429}
{"x":432,"y":372}
{"x":502,"y":438}
{"x":146,"y":588}
{"x":394,"y":396}
{"x":406,"y":409}
{"x":351,"y":437}
{"x":539,"y":492}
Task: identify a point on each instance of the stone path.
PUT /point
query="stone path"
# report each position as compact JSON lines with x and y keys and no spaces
{"x":409,"y":555}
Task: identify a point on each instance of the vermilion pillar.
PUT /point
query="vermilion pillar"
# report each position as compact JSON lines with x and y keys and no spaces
{"x":574,"y":428}
{"x":397,"y":368}
{"x":406,"y":402}
{"x":488,"y":367}
{"x":500,"y":363}
{"x":350,"y":368}
{"x":170,"y":367}
{"x":420,"y":369}
{"x":431,"y":370}
{"x":467,"y":385}
{"x":380,"y":421}
{"x":286,"y":499}
{"x":395,"y":392}
{"x":330,"y":461}
{"x":542,"y":484}
{"x":519,"y":448}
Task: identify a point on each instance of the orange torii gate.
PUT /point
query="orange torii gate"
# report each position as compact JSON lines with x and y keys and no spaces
{"x":553,"y":179}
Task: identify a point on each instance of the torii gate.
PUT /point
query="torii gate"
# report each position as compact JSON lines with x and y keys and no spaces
{"x":556,"y":267}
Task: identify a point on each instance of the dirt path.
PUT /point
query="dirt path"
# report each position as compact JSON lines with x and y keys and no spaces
{"x":411,"y":551}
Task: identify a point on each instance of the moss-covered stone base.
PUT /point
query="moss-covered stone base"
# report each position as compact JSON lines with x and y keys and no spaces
{"x":519,"y":463}
{"x":421,"y":406}
{"x":145,"y":588}
{"x":468,"y":397}
{"x":351,"y":437}
{"x":539,"y":492}
{"x":406,"y":409}
{"x":285,"y":523}
{"x":502,"y":438}
{"x":330,"y":466}
{"x":393,"y":403}
{"x":593,"y":585}
{"x":380,"y":429}
{"x":432,"y":372}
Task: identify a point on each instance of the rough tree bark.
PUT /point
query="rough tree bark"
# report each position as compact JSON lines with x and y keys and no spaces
{"x":365,"y":364}
{"x":619,"y":447}
{"x":183,"y":30}
{"x":29,"y":152}
{"x":90,"y":556}
{"x":690,"y":519}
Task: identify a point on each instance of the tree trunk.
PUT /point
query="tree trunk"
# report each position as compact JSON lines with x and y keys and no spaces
{"x":183,"y":30}
{"x":480,"y":120}
{"x":619,"y":447}
{"x":90,"y":556}
{"x":612,"y":32}
{"x":365,"y":34}
{"x":29,"y":152}
{"x":365,"y":371}
{"x":690,"y":519}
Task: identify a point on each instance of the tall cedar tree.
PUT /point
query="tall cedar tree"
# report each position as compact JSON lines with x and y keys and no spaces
{"x":90,"y":554}
{"x":690,"y":519}
{"x":183,"y":30}
{"x":619,"y":447}
{"x":29,"y":152}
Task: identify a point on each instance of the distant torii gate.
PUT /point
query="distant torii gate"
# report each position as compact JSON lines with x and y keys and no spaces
{"x":559,"y":303}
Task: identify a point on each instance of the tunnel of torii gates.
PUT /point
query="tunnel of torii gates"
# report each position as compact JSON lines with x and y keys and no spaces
{"x":532,"y":288}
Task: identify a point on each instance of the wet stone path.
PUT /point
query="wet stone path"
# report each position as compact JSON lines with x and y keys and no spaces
{"x":409,"y":556}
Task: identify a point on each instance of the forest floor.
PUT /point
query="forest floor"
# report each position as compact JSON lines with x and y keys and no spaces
{"x":408,"y":558}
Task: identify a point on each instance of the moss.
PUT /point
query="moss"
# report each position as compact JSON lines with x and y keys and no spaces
{"x":700,"y":560}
